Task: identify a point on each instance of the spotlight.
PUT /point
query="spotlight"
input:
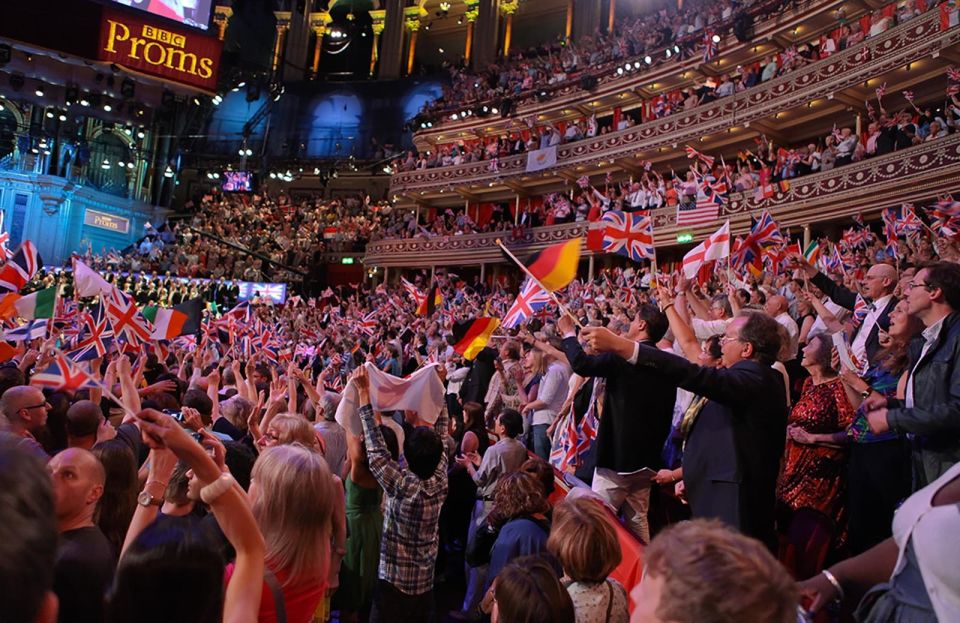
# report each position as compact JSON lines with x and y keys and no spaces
{"x":108,"y":108}
{"x":676,"y":49}
{"x":647,"y":60}
{"x":716,"y":38}
{"x":627,"y":67}
{"x":49,"y":114}
{"x":84,"y":101}
{"x":242,"y":152}
{"x":129,"y":165}
{"x":106,"y":164}
{"x":62,"y":117}
{"x":140,"y":133}
{"x":196,"y":101}
{"x":121,"y":164}
{"x":273,"y":175}
{"x":454,"y":116}
{"x":493,"y":110}
{"x":619,"y":71}
{"x":39,"y":91}
{"x":668,"y":52}
{"x":248,"y":152}
{"x":168,"y":172}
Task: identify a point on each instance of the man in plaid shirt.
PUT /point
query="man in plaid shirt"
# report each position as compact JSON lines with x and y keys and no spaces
{"x":408,"y":550}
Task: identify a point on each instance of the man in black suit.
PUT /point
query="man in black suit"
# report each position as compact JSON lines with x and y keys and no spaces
{"x":877,"y":288}
{"x":636,"y":417}
{"x":733,"y":449}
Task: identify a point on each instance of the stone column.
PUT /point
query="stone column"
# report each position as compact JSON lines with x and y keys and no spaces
{"x":586,"y":18}
{"x":378,"y":17}
{"x":391,"y":43}
{"x":485,"y":33}
{"x":318,"y":23}
{"x":283,"y":24}
{"x":221,"y":18}
{"x":508,"y":8}
{"x":471,"y":17}
{"x":412,"y":24}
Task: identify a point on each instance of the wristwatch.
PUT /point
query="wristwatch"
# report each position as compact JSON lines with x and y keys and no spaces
{"x":146,"y":499}
{"x":866,"y":393}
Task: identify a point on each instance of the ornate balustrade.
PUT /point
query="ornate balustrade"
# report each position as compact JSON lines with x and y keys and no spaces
{"x":910,"y":42}
{"x":916,"y":174}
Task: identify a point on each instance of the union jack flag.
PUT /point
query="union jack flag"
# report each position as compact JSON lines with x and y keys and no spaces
{"x":20,"y":268}
{"x":909,"y":222}
{"x":710,"y":47}
{"x":63,"y":375}
{"x":532,"y":298}
{"x":4,"y":252}
{"x":699,"y":155}
{"x":577,"y":438}
{"x":125,"y":318}
{"x":368,"y":324}
{"x":908,"y":95}
{"x":860,"y":310}
{"x":96,"y":336}
{"x":953,"y":74}
{"x":832,"y":261}
{"x":881,"y":90}
{"x":628,"y":234}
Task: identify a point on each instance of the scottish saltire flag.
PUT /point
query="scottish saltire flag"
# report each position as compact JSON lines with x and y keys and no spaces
{"x":30,"y":331}
{"x":628,"y":234}
{"x":532,"y":299}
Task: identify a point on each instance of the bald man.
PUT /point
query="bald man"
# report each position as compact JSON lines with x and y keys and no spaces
{"x":877,"y":288}
{"x":85,"y":559}
{"x":26,"y":411}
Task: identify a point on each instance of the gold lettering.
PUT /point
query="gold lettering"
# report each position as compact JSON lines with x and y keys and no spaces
{"x":135,"y":44}
{"x":178,"y":40}
{"x":206,"y":68}
{"x":184,"y":58}
{"x":149,"y":32}
{"x":115,"y":28}
{"x":153,"y":45}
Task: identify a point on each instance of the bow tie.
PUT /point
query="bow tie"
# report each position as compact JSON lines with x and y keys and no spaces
{"x":871,"y":307}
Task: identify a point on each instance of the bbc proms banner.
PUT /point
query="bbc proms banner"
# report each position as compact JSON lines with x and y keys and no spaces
{"x":168,"y":52}
{"x":540,"y":159}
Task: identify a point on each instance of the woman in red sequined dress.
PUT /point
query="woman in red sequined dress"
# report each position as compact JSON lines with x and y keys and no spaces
{"x":813,"y":474}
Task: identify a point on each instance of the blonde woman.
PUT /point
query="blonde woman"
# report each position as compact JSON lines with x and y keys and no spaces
{"x":291,"y":483}
{"x":288,"y":428}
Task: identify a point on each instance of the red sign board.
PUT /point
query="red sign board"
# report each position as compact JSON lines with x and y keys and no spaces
{"x":163,"y":51}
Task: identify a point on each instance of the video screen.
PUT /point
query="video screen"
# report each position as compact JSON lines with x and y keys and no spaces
{"x":195,"y":13}
{"x":237,"y":182}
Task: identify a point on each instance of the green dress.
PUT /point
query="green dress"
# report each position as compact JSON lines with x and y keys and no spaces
{"x":358,"y":571}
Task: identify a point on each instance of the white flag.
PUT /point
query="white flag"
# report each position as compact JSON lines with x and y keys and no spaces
{"x":88,"y":282}
{"x":422,"y":392}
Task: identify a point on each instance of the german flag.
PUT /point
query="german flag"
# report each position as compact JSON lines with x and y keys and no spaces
{"x":555,"y":266}
{"x":470,"y":336}
{"x":430,"y":302}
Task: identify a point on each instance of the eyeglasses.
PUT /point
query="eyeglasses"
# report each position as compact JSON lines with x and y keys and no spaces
{"x":911,"y":285}
{"x":42,"y":404}
{"x":727,"y":339}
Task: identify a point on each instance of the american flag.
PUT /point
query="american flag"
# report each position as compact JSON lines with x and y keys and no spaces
{"x":628,"y":234}
{"x":532,"y":298}
{"x":63,"y":375}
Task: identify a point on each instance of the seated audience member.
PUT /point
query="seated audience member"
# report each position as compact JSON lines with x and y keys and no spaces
{"x":28,"y":536}
{"x":701,"y":570}
{"x":85,"y":557}
{"x":527,"y":591}
{"x":585,"y":544}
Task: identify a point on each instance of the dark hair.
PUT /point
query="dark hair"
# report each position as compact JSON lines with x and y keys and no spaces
{"x":946,"y":276}
{"x":512,"y":422}
{"x":83,"y":418}
{"x":763,"y":333}
{"x":518,"y":494}
{"x":528,"y":591}
{"x":120,"y":488}
{"x":475,"y":412}
{"x":198,"y":399}
{"x":422,"y":449}
{"x":713,"y":346}
{"x":656,"y":320}
{"x":390,"y":441}
{"x":167,"y":559}
{"x":542,"y":471}
{"x":28,"y":532}
{"x":11,"y":376}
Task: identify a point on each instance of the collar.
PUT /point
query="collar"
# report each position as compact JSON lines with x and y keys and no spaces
{"x":932,"y":333}
{"x":881,"y":303}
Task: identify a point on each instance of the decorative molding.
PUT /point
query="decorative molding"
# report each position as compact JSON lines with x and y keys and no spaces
{"x":917,"y":39}
{"x":911,"y":175}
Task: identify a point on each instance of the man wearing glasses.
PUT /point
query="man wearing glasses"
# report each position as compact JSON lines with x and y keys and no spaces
{"x":26,"y":410}
{"x":930,"y":408}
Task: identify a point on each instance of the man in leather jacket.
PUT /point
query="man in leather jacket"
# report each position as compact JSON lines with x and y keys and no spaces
{"x":930,"y":410}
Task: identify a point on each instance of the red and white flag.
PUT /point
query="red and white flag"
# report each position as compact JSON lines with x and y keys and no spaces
{"x":715,"y":247}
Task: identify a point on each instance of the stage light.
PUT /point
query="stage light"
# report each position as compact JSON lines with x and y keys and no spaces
{"x":84,"y":101}
{"x":62,"y":117}
{"x":129,"y":165}
{"x":39,"y":91}
{"x":196,"y":101}
{"x":627,"y":67}
{"x":108,"y":108}
{"x":242,"y":152}
{"x":667,"y":52}
{"x":619,"y":71}
{"x":140,"y":133}
{"x":49,"y":114}
{"x":716,"y":38}
{"x":168,"y":172}
{"x":106,"y":164}
{"x":454,"y":116}
{"x":646,"y":59}
{"x":494,"y":110}
{"x":273,"y":175}
{"x":121,"y":164}
{"x":676,"y":49}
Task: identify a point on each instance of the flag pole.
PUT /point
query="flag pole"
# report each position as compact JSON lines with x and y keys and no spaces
{"x":553,"y":296}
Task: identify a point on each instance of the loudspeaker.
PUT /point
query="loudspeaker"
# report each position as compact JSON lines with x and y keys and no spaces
{"x":588,"y":82}
{"x":743,"y":28}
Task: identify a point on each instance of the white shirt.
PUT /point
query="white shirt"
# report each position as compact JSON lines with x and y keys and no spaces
{"x":930,"y":336}
{"x":859,"y":346}
{"x":791,"y":326}
{"x":552,"y":391}
{"x":704,"y":329}
{"x":819,"y":326}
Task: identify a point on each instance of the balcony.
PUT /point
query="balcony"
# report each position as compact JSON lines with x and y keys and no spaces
{"x":915,"y":175}
{"x":911,"y":44}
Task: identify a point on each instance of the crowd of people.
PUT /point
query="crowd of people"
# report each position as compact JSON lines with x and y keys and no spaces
{"x":469,"y":88}
{"x":342,"y":454}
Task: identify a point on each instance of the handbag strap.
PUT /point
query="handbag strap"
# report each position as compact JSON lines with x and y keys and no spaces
{"x":278,"y":601}
{"x":609,"y":600}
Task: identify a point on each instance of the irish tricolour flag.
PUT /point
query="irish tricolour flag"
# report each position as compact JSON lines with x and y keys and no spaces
{"x":40,"y":304}
{"x":183,"y":319}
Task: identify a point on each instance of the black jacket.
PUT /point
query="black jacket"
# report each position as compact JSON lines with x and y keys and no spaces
{"x":637,"y":409}
{"x":474,"y":388}
{"x":733,"y":451}
{"x":848,"y":299}
{"x":935,"y":415}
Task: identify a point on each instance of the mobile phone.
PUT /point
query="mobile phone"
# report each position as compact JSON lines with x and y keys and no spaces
{"x":177,"y":415}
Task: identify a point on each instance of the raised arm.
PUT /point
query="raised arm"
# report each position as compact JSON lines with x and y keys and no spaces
{"x":682,"y":332}
{"x":386,"y":471}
